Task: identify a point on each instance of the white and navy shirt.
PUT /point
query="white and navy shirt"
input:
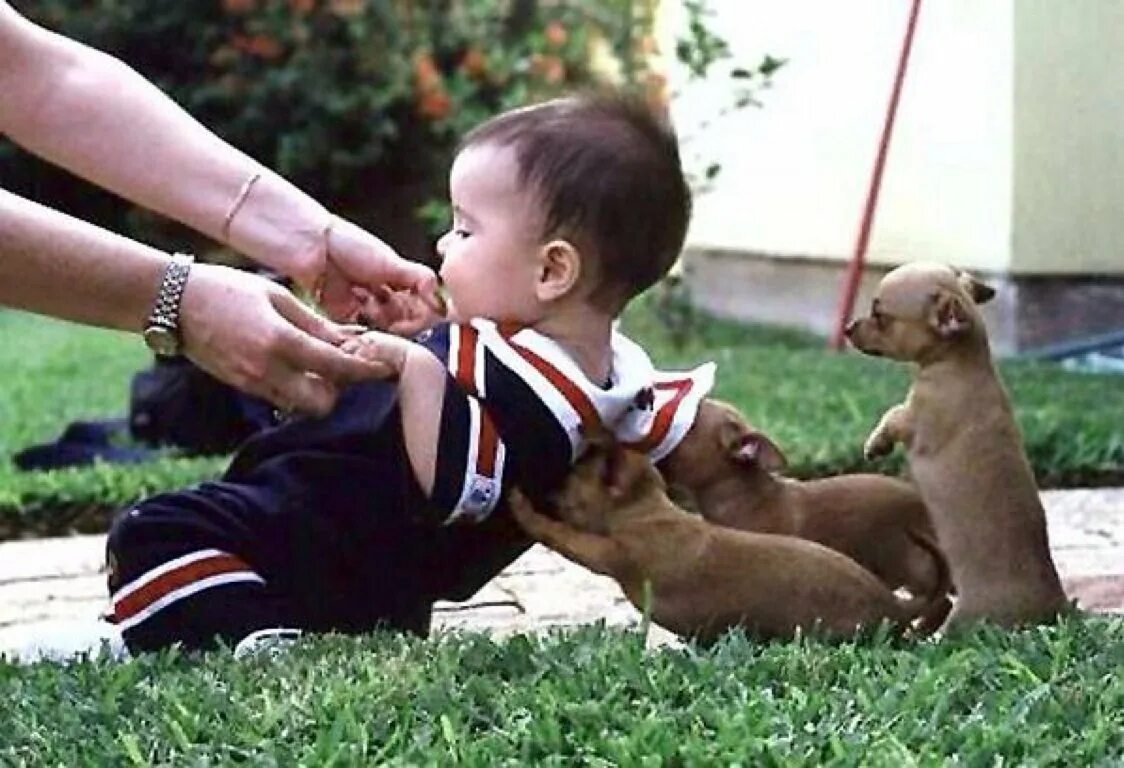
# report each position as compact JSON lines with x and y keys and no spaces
{"x":524,"y":404}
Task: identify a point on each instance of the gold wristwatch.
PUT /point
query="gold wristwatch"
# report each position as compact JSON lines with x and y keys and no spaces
{"x":162,"y":331}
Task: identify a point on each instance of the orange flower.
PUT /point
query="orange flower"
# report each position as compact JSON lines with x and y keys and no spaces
{"x":426,"y":75}
{"x":347,"y":7}
{"x":262,"y":46}
{"x":555,"y":34}
{"x":434,"y":104}
{"x":238,"y":6}
{"x":475,"y":63}
{"x":302,"y":6}
{"x":550,"y":68}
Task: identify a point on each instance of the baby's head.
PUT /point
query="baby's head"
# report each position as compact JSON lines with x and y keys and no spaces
{"x":577,"y":203}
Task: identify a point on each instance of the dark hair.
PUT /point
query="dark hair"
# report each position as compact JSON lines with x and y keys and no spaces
{"x":605,"y":168}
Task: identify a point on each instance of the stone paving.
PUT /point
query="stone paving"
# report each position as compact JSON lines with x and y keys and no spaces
{"x":52,"y":590}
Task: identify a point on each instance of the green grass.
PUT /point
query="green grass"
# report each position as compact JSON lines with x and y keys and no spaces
{"x":818,"y":405}
{"x":594,"y":696}
{"x":52,"y":373}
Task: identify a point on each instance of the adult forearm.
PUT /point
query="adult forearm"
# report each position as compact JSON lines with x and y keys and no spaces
{"x":92,"y":114}
{"x":56,"y":265}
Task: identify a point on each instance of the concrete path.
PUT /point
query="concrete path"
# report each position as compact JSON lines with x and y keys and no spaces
{"x":51,"y":590}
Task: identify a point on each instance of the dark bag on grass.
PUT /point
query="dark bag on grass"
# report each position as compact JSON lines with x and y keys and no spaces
{"x":176,"y":403}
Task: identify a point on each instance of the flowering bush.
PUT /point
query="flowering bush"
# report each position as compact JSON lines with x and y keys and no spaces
{"x":361,"y":102}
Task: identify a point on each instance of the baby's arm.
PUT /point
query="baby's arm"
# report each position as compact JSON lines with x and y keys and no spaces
{"x":421,"y":389}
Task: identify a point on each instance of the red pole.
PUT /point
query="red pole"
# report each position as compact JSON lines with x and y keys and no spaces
{"x":855,"y":268}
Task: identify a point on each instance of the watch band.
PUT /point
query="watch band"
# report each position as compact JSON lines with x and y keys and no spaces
{"x":166,"y":309}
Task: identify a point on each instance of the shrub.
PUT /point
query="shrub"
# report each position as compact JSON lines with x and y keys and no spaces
{"x":361,"y":102}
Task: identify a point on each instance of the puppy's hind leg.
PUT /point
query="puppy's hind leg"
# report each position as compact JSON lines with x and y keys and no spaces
{"x":599,"y":554}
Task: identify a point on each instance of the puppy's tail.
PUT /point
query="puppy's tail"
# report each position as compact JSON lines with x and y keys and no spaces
{"x":931,"y":610}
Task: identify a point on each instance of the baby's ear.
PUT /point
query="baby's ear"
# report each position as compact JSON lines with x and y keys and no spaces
{"x":559,"y":270}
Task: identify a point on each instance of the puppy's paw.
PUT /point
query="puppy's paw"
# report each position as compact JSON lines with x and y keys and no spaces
{"x":530,"y":520}
{"x":878,"y":444}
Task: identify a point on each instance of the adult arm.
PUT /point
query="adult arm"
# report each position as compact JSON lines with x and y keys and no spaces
{"x":95,"y":116}
{"x":242,"y":328}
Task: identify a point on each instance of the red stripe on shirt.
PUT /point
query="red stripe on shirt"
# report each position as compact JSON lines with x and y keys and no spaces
{"x":577,"y":399}
{"x":661,"y":424}
{"x":487,"y":443}
{"x":172,"y":580}
{"x":466,"y":358}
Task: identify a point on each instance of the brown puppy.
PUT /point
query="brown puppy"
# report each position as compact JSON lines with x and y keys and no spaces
{"x":615,"y":518}
{"x":964,"y":447}
{"x":877,"y":521}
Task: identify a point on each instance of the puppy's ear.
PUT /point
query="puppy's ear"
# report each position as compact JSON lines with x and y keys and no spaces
{"x":624,"y":471}
{"x":948,"y":316}
{"x":731,"y":434}
{"x":758,"y":450}
{"x":980,"y":292}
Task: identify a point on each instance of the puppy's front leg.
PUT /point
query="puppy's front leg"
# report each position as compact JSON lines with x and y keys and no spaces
{"x":893,"y":427}
{"x":597,"y":553}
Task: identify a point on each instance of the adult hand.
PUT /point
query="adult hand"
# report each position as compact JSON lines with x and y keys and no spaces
{"x":359,"y":266}
{"x":256,"y":336}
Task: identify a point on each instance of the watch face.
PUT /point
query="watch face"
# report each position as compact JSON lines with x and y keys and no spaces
{"x":161,"y":340}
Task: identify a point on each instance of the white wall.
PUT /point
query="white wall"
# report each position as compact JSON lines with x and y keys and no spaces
{"x":795,"y":173}
{"x":1069,"y":136}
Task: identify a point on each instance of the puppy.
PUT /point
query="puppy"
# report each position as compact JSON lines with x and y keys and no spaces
{"x":877,"y":521}
{"x":698,"y":579}
{"x":964,"y":447}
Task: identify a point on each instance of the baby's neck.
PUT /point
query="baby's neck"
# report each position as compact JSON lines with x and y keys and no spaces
{"x":587,"y":340}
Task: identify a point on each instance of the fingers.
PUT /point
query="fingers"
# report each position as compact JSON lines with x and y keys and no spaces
{"x":310,"y":353}
{"x":308,"y":321}
{"x":368,"y":262}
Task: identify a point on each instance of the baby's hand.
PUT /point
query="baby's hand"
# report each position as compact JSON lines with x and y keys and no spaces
{"x":403,"y":313}
{"x":385,"y":351}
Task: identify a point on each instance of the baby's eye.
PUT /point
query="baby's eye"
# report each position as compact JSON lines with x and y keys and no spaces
{"x":461,"y":232}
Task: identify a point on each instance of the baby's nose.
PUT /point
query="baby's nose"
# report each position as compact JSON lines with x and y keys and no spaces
{"x":850,"y":329}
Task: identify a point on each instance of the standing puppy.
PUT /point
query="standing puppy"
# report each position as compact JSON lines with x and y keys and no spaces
{"x":964,"y":447}
{"x":879,"y":522}
{"x":615,"y":518}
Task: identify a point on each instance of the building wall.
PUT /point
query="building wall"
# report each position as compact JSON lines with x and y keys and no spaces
{"x":1007,"y":153}
{"x":1068,"y":137}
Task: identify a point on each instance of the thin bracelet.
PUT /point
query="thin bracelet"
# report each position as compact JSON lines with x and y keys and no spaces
{"x":243,"y":193}
{"x":318,"y":288}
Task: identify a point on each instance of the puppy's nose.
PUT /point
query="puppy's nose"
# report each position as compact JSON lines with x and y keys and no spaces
{"x":850,"y":329}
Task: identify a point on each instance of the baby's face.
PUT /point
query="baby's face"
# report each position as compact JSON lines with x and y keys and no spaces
{"x":490,"y":256}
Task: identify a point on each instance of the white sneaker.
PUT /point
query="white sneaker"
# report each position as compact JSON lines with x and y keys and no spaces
{"x":271,"y":641}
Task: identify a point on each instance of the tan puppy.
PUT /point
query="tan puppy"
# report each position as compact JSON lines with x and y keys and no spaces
{"x":964,"y":447}
{"x":615,"y":518}
{"x":877,"y":521}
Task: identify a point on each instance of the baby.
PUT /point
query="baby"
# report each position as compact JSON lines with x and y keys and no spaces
{"x":562,"y":213}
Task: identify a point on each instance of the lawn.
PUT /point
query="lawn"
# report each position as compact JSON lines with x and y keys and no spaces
{"x":818,"y":405}
{"x":591,"y":696}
